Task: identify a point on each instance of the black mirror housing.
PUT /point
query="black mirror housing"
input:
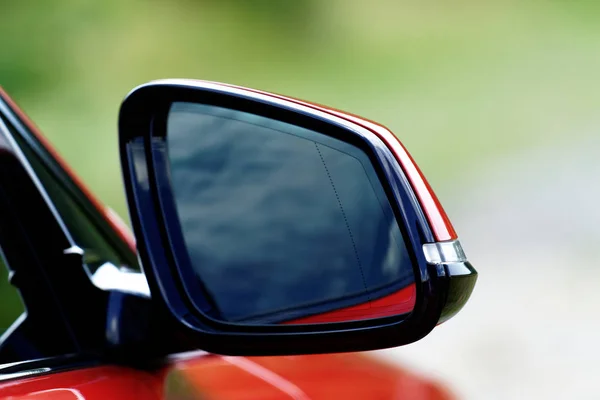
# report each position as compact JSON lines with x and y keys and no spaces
{"x":437,"y":278}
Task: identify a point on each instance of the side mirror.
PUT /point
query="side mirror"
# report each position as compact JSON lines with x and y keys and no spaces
{"x":267,"y":225}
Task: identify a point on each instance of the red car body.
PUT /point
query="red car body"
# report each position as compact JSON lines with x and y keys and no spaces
{"x":200,"y":375}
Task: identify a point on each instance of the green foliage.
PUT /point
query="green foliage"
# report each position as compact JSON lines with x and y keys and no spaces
{"x":12,"y":306}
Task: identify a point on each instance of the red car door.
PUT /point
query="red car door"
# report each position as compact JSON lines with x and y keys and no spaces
{"x":205,"y":376}
{"x":188,"y":375}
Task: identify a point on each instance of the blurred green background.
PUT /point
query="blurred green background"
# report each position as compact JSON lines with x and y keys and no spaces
{"x":464,"y":84}
{"x":477,"y":77}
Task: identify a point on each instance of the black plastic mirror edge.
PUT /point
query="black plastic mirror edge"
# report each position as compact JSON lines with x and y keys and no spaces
{"x":135,"y":137}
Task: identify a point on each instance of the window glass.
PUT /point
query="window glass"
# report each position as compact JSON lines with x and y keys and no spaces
{"x":86,"y":234}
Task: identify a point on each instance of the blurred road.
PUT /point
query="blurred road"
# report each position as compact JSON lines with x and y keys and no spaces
{"x":530,"y":224}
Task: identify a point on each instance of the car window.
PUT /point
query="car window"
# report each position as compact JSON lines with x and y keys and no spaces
{"x":87,"y":228}
{"x":98,"y":244}
{"x":96,"y":250}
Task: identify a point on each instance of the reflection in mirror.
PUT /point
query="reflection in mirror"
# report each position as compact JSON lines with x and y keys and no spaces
{"x":283,"y":224}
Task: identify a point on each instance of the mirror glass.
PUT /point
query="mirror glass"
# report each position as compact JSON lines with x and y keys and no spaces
{"x":283,"y":224}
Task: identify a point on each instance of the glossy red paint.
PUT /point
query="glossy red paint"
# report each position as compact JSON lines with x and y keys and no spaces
{"x":438,"y":219}
{"x":120,"y":228}
{"x":400,"y":302}
{"x":202,"y":376}
{"x":234,"y":378}
{"x":99,"y":383}
{"x":351,"y":377}
{"x":317,"y":377}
